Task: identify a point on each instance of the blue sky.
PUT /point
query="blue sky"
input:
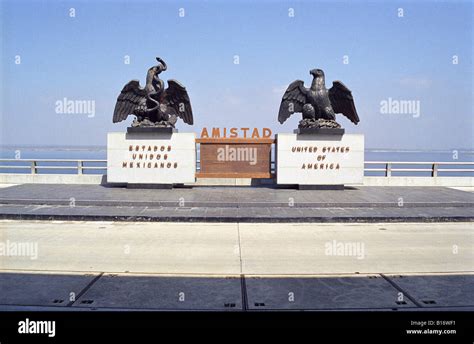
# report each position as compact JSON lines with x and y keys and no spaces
{"x":390,"y":57}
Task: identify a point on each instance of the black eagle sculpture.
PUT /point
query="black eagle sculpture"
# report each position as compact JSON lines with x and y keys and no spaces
{"x":318,"y":104}
{"x":152,"y":105}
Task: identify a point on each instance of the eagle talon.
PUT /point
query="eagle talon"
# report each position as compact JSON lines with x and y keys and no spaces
{"x":318,"y":123}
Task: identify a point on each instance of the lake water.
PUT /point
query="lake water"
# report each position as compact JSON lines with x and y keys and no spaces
{"x":100,"y":153}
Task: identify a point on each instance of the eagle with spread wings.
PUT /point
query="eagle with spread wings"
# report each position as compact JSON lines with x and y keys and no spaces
{"x":318,"y":104}
{"x":153,"y":105}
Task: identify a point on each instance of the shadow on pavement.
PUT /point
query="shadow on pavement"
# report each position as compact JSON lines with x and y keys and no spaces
{"x":99,"y":291}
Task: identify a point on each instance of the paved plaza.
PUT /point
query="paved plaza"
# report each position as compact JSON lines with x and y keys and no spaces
{"x":236,"y":204}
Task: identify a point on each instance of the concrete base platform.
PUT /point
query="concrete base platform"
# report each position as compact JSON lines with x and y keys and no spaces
{"x":97,"y":179}
{"x":221,"y":204}
{"x":237,"y":197}
{"x":235,"y":215}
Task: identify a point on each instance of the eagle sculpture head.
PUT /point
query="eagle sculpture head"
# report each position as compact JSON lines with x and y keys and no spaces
{"x":316,"y":72}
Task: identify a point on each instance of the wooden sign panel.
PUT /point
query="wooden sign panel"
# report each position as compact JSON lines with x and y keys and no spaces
{"x":235,"y":158}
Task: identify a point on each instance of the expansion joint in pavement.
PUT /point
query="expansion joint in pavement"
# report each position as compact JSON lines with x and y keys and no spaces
{"x":240,"y":247}
{"x":243,"y":285}
{"x":86,"y":288}
{"x":400,"y":289}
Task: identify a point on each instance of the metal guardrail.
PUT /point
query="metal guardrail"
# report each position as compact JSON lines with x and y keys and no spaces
{"x":385,"y":167}
{"x":434,"y":167}
{"x":33,"y":165}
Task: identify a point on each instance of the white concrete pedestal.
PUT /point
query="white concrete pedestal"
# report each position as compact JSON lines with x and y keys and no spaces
{"x":151,"y":158}
{"x":319,"y":159}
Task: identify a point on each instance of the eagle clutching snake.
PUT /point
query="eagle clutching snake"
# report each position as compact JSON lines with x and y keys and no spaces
{"x":152,"y":105}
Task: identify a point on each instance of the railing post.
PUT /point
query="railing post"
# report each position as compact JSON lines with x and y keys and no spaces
{"x":33,"y":167}
{"x":79,"y":167}
{"x":388,"y":170}
{"x":434,"y":170}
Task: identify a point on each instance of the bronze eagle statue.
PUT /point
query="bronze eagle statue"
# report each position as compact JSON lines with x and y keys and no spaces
{"x":318,"y":104}
{"x":152,"y":105}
